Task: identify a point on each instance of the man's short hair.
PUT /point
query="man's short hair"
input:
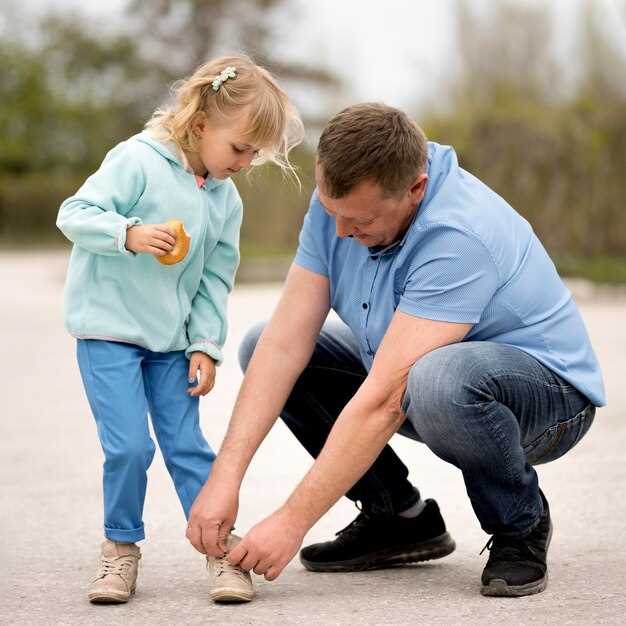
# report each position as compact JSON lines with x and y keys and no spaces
{"x":370,"y":141}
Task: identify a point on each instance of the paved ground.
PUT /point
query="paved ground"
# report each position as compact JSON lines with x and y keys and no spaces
{"x":50,"y":511}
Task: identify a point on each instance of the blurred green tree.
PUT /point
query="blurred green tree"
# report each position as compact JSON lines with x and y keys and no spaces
{"x":84,"y":86}
{"x":546,"y":133}
{"x":549,"y":142}
{"x":25,"y":101}
{"x":505,"y":56}
{"x":182,"y":34}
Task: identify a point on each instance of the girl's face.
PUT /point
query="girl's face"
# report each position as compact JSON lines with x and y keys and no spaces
{"x":222,"y":148}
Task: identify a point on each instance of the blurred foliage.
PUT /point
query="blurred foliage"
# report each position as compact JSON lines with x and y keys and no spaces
{"x":67,"y":102}
{"x":274,"y":205}
{"x":600,"y":269}
{"x":82,"y":88}
{"x":551,"y":142}
{"x":561,"y":167}
{"x":553,"y":150}
{"x":213,"y":28}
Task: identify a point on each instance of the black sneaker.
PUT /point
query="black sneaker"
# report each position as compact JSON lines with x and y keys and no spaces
{"x":378,"y":542}
{"x":517,"y":565}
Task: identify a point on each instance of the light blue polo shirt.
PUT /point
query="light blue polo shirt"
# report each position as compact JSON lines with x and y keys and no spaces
{"x":467,"y":257}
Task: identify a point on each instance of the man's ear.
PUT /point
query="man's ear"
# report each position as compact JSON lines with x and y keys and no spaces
{"x":418,"y":187}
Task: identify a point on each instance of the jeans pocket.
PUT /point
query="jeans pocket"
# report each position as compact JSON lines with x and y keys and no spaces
{"x":560,"y":438}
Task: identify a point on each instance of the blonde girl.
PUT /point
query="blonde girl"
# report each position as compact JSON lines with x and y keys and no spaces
{"x":149,"y":333}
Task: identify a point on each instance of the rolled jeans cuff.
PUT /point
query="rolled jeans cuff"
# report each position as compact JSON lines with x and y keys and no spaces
{"x":122,"y":535}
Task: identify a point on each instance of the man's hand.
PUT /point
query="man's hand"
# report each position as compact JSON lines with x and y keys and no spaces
{"x":270,"y":545}
{"x":212,"y":517}
{"x":202,"y":362}
{"x":157,"y":239}
{"x":279,"y":358}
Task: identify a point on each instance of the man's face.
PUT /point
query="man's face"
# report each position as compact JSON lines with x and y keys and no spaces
{"x":370,"y":216}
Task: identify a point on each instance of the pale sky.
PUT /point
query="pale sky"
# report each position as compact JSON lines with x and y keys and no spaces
{"x":380,"y":48}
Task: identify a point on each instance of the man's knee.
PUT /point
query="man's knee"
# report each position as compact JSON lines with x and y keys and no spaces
{"x":248,"y":344}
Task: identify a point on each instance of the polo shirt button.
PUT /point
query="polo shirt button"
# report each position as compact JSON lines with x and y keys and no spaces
{"x":364,"y":305}
{"x":370,"y":352}
{"x":373,"y":257}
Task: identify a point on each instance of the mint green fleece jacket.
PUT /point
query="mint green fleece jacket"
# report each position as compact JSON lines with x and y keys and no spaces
{"x":117,"y":295}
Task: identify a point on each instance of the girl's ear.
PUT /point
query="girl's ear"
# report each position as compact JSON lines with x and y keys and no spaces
{"x":199,"y":123}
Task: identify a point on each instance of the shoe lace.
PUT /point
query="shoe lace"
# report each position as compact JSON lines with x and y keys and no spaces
{"x":119,"y":566}
{"x":354,"y":527}
{"x":505,"y":548}
{"x":224,"y":566}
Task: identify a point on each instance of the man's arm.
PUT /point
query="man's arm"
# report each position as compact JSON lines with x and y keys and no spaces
{"x":372,"y":416}
{"x":362,"y":429}
{"x":282,"y":352}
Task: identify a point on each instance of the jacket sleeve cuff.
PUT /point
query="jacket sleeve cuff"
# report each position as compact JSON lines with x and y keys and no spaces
{"x":208,"y":347}
{"x":120,"y":237}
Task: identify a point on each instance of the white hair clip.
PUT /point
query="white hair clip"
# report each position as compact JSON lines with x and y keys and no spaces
{"x":224,"y":75}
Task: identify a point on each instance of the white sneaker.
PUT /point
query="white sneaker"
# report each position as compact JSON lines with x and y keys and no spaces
{"x":229,"y":583}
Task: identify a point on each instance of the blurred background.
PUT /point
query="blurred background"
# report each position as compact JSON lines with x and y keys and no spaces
{"x":531,"y":94}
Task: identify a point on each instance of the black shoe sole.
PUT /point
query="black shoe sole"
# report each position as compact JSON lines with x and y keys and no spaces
{"x":412,"y":553}
{"x":499,"y":588}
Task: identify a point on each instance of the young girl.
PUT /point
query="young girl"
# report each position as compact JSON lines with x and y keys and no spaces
{"x":146,"y":329}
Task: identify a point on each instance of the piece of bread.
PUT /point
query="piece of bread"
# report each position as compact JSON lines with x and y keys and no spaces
{"x":179,"y":252}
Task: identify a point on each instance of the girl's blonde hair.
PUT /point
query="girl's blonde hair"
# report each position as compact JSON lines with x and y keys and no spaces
{"x":273,"y":123}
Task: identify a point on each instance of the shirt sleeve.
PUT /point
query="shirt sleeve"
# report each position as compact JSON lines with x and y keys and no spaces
{"x":207,"y":326}
{"x":452,"y":277}
{"x":96,"y":216}
{"x":312,"y":253}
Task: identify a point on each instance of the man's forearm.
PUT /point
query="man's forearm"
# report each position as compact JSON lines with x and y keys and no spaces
{"x":269,"y":379}
{"x":357,"y":438}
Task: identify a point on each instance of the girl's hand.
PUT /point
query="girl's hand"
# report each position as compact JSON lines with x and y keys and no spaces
{"x":206,"y":365}
{"x":157,"y":239}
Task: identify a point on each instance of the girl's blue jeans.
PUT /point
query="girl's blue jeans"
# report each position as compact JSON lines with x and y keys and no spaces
{"x":490,"y":409}
{"x":124,"y":383}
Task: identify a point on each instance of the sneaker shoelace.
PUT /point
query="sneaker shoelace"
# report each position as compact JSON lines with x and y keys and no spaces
{"x":224,"y":566}
{"x":119,"y":566}
{"x":503,"y":548}
{"x":355,"y":527}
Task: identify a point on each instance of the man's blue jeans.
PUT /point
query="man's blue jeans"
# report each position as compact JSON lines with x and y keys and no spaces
{"x":490,"y":409}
